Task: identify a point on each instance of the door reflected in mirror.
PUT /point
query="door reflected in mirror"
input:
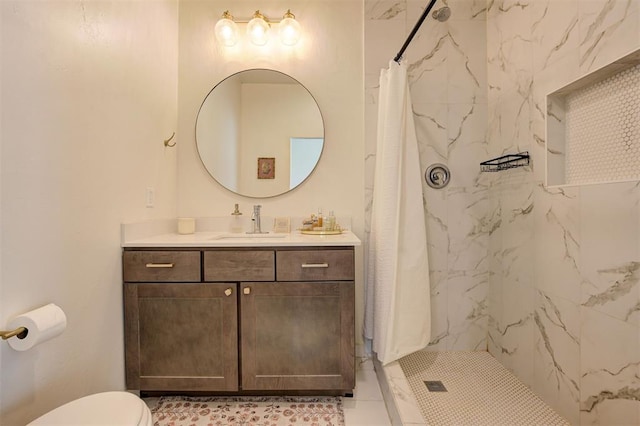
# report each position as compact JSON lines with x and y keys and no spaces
{"x":305,"y":154}
{"x":259,"y":114}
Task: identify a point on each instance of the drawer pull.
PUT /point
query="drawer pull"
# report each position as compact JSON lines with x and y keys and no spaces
{"x":315,"y":265}
{"x":228,"y":292}
{"x":159,"y":265}
{"x":246,"y":290}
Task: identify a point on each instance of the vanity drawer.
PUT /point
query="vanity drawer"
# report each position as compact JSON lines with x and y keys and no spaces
{"x":161,"y":266}
{"x":241,"y":265}
{"x":315,"y":265}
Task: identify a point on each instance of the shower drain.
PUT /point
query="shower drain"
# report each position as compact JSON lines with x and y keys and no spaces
{"x":435,"y":386}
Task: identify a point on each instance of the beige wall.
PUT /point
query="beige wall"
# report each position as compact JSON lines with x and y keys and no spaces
{"x":88,"y":96}
{"x":292,"y":113}
{"x":89,"y":92}
{"x":218,"y":133}
{"x":327,"y":61}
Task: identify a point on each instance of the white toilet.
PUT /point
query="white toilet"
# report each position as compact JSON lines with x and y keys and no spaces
{"x":107,"y":408}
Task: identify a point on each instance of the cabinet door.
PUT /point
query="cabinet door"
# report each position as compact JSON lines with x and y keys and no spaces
{"x":181,"y":337}
{"x":297,"y":336}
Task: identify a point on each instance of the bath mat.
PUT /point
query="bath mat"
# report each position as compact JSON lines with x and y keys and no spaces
{"x":247,"y":411}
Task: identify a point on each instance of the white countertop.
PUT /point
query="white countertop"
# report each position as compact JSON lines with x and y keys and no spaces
{"x":228,"y":239}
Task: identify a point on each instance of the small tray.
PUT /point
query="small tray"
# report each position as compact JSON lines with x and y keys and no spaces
{"x":308,"y":232}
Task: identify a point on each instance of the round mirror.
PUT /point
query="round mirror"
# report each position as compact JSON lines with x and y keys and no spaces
{"x":259,"y":133}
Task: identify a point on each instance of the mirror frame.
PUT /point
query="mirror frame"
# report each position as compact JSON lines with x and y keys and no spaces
{"x":210,"y":172}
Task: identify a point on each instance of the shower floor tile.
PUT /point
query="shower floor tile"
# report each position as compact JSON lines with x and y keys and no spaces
{"x":479,"y":391}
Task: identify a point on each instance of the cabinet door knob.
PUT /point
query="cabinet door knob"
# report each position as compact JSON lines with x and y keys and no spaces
{"x":246,"y":290}
{"x":228,"y":292}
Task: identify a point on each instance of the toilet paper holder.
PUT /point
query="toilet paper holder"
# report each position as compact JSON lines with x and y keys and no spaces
{"x":20,"y":333}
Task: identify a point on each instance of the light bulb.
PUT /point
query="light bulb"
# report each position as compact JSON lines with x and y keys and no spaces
{"x":258,"y":29}
{"x":227,"y":30}
{"x":289,"y":29}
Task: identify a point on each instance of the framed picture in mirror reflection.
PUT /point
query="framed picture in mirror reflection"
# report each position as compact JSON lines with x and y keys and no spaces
{"x":266,"y":168}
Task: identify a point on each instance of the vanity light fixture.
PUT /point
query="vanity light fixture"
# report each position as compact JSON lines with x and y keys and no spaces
{"x":227,"y":30}
{"x":289,"y":29}
{"x":258,"y":28}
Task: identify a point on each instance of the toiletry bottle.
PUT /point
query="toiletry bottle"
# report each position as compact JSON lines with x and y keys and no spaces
{"x":330,"y":222}
{"x":320,"y":218}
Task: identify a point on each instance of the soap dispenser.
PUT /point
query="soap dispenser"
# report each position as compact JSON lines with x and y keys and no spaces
{"x":236,"y":220}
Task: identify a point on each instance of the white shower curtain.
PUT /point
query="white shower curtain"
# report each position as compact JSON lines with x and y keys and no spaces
{"x":397,"y":312}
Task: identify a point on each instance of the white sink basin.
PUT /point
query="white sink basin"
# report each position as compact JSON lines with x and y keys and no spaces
{"x":245,"y":236}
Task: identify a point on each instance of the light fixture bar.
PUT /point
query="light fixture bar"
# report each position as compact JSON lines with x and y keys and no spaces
{"x":258,"y":28}
{"x":247,"y":20}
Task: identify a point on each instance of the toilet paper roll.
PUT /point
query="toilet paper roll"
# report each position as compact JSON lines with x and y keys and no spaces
{"x":42,"y":324}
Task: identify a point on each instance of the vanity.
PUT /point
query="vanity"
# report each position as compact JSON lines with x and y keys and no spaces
{"x":230,"y":313}
{"x":223,"y":313}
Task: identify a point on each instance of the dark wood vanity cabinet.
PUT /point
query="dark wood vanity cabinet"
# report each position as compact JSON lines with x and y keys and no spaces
{"x":250,"y":320}
{"x":181,"y":337}
{"x":297,"y":335}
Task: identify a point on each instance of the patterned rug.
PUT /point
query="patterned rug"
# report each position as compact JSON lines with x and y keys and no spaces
{"x":247,"y":411}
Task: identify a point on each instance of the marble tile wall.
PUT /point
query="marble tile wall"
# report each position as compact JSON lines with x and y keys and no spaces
{"x":564,"y":297}
{"x":447,"y":77}
{"x":544,"y":278}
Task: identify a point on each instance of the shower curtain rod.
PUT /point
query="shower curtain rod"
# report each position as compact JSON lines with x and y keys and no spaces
{"x":414,"y":31}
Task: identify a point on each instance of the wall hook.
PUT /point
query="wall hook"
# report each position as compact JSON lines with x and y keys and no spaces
{"x":166,"y":142}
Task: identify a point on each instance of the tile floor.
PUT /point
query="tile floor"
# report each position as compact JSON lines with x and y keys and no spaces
{"x":367,"y":407}
{"x":481,"y":392}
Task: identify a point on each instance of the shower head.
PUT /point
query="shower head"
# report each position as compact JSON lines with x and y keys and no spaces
{"x":442,"y":14}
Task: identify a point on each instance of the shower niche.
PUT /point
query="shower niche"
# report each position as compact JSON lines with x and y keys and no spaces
{"x":593,"y":127}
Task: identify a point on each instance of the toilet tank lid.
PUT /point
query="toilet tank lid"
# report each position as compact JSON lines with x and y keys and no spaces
{"x":106,"y":408}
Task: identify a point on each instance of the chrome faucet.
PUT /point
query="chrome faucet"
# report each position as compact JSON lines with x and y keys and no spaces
{"x":255,"y":219}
